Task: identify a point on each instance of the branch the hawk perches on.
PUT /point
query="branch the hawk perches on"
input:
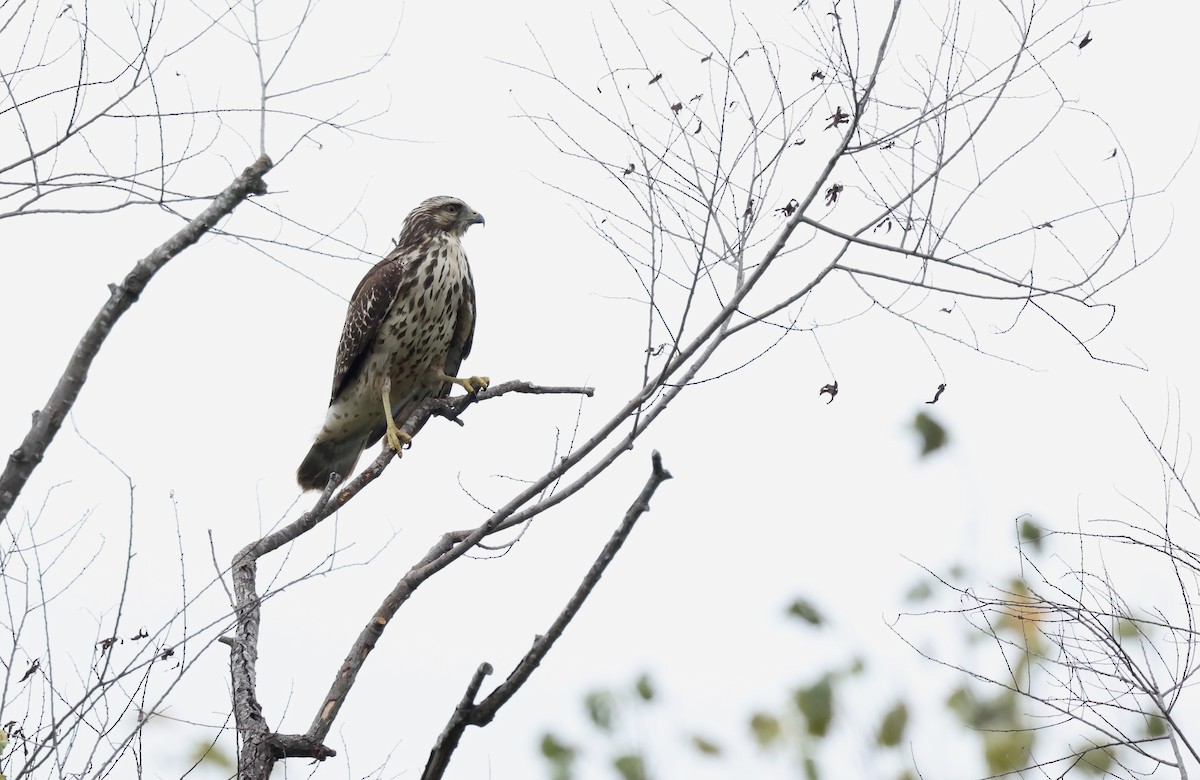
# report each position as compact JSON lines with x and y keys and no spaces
{"x":408,"y":328}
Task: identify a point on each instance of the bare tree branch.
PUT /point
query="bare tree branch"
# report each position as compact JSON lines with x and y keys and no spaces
{"x":46,"y":422}
{"x":261,"y":747}
{"x":469,"y":714}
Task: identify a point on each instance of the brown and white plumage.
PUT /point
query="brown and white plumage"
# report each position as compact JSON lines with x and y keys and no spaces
{"x":408,"y":328}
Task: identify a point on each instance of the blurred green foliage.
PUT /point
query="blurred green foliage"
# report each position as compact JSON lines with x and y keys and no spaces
{"x":559,"y":756}
{"x":645,"y":690}
{"x":829,"y":708}
{"x":704,"y":746}
{"x":804,"y":610}
{"x":209,"y":754}
{"x":933,"y":435}
{"x":815,"y":703}
{"x":1031,"y":533}
{"x":891,"y":731}
{"x":630,"y":766}
{"x":601,"y":708}
{"x":765,"y":728}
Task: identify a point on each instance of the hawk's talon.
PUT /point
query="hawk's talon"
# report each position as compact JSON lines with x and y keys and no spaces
{"x":397,"y":439}
{"x":472,"y":384}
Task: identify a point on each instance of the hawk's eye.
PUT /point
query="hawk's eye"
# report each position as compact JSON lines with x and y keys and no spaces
{"x":452,"y":208}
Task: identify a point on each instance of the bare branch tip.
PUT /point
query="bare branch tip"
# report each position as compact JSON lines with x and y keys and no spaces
{"x":656,"y":461}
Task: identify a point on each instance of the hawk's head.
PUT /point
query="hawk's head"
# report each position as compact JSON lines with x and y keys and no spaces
{"x":442,"y":214}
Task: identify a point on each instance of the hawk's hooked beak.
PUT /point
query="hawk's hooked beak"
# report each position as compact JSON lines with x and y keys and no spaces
{"x":478,"y":220}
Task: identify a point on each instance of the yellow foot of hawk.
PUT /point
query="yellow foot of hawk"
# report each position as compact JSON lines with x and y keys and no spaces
{"x":395,"y":437}
{"x":472,"y":384}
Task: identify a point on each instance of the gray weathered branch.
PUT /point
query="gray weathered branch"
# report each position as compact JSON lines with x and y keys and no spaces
{"x":261,"y":748}
{"x":47,"y":421}
{"x":467,"y":713}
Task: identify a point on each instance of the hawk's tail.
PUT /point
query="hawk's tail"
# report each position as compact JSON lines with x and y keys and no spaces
{"x":326,"y":457}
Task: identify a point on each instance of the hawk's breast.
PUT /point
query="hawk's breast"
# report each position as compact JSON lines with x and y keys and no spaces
{"x":413,"y":338}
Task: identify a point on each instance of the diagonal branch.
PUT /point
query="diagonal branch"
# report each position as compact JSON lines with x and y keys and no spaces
{"x":49,"y":419}
{"x":469,"y":714}
{"x":447,"y":742}
{"x":261,"y":747}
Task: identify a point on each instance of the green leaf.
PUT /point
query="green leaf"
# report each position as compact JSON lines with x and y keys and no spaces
{"x":919,"y":592}
{"x":559,"y":755}
{"x":556,"y":750}
{"x":810,"y":768}
{"x":602,"y":709}
{"x":645,"y":690}
{"x":630,"y":766}
{"x":1031,"y":532}
{"x":804,"y":610}
{"x":1008,"y":751}
{"x":933,"y":435}
{"x":962,"y":703}
{"x":1127,"y":629}
{"x":891,"y":731}
{"x":765,"y":728}
{"x":705,"y":747}
{"x":999,"y":712}
{"x":207,"y":753}
{"x":816,"y":705}
{"x":1156,"y":726}
{"x":1096,"y":761}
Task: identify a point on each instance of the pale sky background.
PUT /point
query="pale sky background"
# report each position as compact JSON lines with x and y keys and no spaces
{"x":210,"y":389}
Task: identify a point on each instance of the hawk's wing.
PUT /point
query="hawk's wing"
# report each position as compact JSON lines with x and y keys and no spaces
{"x":368,"y":308}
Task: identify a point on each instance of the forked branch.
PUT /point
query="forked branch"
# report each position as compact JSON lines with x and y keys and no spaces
{"x":261,"y":747}
{"x":467,"y":713}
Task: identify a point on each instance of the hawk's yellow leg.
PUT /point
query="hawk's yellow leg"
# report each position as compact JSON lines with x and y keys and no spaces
{"x":472,"y":384}
{"x":396,"y":438}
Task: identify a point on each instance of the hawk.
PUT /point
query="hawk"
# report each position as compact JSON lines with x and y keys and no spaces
{"x":408,"y":328}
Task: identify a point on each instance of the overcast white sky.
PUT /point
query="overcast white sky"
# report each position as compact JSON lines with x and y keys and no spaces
{"x":209,"y":391}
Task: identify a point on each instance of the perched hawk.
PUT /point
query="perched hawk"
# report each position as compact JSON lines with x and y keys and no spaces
{"x":408,"y":328}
